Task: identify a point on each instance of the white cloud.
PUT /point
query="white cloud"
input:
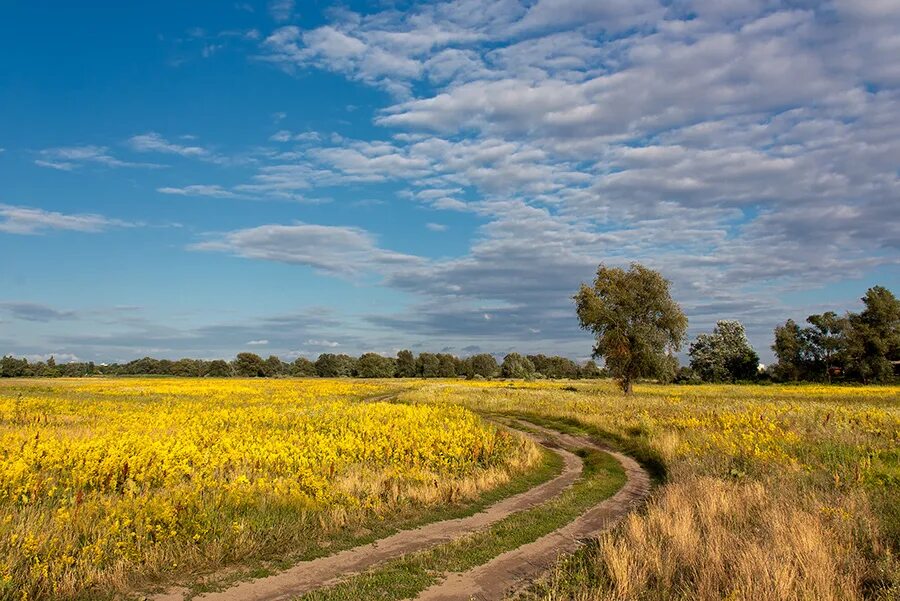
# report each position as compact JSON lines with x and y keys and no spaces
{"x":436,"y":227}
{"x":213,"y":190}
{"x":257,"y":342}
{"x":281,"y":10}
{"x":154,"y":142}
{"x":342,"y":251}
{"x":27,"y":220}
{"x":322,"y":343}
{"x":69,"y":158}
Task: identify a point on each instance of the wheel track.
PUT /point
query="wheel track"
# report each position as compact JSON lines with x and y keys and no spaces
{"x":322,"y":572}
{"x":512,"y":570}
{"x":495,"y":579}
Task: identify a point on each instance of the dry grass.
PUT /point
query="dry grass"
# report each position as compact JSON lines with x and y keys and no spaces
{"x":771,"y":493}
{"x":706,"y":538}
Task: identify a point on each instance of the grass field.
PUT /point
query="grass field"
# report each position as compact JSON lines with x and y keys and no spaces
{"x":767,"y":492}
{"x":764,"y":492}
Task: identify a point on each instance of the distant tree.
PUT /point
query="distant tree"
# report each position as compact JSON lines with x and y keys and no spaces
{"x":329,"y":365}
{"x":590,"y":370}
{"x":873,"y":337}
{"x":187,"y":368}
{"x":789,"y":349}
{"x":275,"y":367}
{"x":446,"y":365}
{"x":725,"y":355}
{"x":372,"y":365}
{"x":218,"y":369}
{"x":303,"y":368}
{"x":10,"y":367}
{"x":634,"y":320}
{"x":428,"y":365}
{"x":554,"y":367}
{"x":825,"y":339}
{"x":516,"y":366}
{"x":249,"y":365}
{"x":406,"y":364}
{"x":483,"y":365}
{"x":686,"y":375}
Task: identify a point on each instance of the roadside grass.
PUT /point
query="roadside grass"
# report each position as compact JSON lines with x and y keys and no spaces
{"x":405,"y":577}
{"x":550,"y":466}
{"x":767,"y":493}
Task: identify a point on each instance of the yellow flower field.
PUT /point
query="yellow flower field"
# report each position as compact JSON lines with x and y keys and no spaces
{"x":105,"y":481}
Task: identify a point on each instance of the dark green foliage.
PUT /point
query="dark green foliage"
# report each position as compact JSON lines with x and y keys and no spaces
{"x":482,"y":366}
{"x":303,"y":368}
{"x":406,"y":364}
{"x":428,"y":365}
{"x":10,"y":367}
{"x":725,"y":355}
{"x":275,"y":367}
{"x":218,"y":369}
{"x":636,"y":323}
{"x":372,"y":365}
{"x":859,"y":346}
{"x":329,"y":365}
{"x":249,"y":365}
{"x":516,"y":366}
{"x":590,"y":370}
{"x":447,"y":365}
{"x":873,"y":337}
{"x":555,"y":367}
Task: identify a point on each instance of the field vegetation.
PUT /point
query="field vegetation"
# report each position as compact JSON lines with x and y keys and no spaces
{"x":105,"y":484}
{"x":766,"y":492}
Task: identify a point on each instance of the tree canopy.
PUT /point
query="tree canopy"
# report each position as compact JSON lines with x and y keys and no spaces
{"x":635,"y":321}
{"x":725,"y":355}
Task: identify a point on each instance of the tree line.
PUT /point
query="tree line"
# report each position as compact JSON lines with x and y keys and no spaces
{"x":638,"y":328}
{"x":327,"y":365}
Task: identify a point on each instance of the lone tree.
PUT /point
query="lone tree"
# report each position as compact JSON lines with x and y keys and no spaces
{"x":635,"y":321}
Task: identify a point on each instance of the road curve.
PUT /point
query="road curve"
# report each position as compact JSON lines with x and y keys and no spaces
{"x":512,"y":570}
{"x":325,"y":571}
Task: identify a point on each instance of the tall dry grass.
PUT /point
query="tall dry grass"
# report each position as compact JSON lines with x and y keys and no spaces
{"x":770,"y":493}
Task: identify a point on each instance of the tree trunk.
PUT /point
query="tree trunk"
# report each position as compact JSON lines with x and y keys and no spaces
{"x":627,"y":386}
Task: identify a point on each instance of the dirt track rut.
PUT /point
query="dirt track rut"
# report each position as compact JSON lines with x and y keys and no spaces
{"x":512,"y":570}
{"x":324,"y":571}
{"x":493,"y":580}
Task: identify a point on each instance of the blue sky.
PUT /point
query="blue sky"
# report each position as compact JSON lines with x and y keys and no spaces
{"x":204,"y":178}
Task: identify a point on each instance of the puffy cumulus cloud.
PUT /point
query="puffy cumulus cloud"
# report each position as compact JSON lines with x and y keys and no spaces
{"x":28,"y":220}
{"x":746,"y":148}
{"x":341,"y":251}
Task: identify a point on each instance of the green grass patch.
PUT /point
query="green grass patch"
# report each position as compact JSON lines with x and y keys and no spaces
{"x":636,"y":446}
{"x":407,"y":576}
